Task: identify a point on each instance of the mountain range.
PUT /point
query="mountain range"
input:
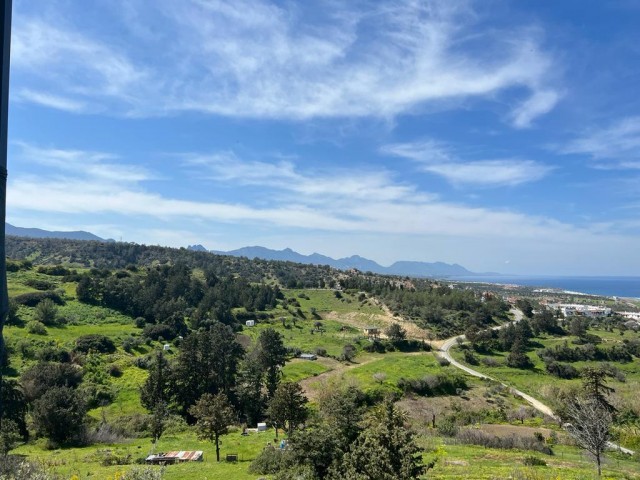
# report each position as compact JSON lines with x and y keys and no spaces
{"x":408,"y":268}
{"x":39,"y":233}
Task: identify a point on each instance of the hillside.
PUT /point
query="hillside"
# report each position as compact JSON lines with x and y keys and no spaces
{"x":103,"y":329}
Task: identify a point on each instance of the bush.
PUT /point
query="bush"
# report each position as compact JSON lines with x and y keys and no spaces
{"x":34,"y":298}
{"x":114,"y":370}
{"x":96,"y":343}
{"x":478,"y":437}
{"x":562,"y":370}
{"x":47,"y":312}
{"x":447,"y":428}
{"x":131,"y":342}
{"x":443,"y":362}
{"x":533,"y":461}
{"x":36,"y":327}
{"x":38,"y":284}
{"x":44,"y":376}
{"x":320,"y":352}
{"x":443,"y":383}
{"x":490,"y":362}
{"x":270,"y":461}
{"x":159,"y":331}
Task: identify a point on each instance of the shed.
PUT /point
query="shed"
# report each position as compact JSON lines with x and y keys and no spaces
{"x":262,"y":427}
{"x":181,"y":456}
{"x":250,"y":323}
{"x":166,"y":347}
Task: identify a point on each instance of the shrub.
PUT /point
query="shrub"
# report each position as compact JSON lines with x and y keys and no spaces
{"x":321,"y":352}
{"x":142,"y":362}
{"x":47,"y":312}
{"x":159,"y":332}
{"x":470,"y":358}
{"x":32,"y":299}
{"x":96,"y":343}
{"x":447,"y":428}
{"x":270,"y":461}
{"x":44,"y":376}
{"x":131,"y":342}
{"x":36,"y":327}
{"x":54,"y":270}
{"x":443,"y":362}
{"x":38,"y":284}
{"x":533,"y":461}
{"x":114,"y":370}
{"x":490,"y":362}
{"x":562,"y":370}
{"x":478,"y":437}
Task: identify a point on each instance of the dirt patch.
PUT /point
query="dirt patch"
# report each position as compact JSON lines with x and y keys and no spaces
{"x":383,"y":320}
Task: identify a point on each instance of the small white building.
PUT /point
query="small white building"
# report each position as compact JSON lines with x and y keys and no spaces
{"x":166,"y":347}
{"x":262,"y":427}
{"x":250,"y":323}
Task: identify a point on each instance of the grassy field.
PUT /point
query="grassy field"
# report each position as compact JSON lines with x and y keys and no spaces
{"x":453,"y":461}
{"x":342,"y":320}
{"x":537,"y":381}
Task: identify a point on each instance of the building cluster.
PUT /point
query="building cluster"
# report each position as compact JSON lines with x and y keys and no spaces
{"x":571,"y":310}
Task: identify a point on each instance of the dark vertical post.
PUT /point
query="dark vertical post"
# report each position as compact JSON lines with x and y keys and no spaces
{"x":5,"y":22}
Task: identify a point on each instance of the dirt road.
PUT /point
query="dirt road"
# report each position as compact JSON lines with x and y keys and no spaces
{"x":535,"y":403}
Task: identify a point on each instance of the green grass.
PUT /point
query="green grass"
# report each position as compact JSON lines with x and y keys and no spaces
{"x":326,"y":301}
{"x":536,"y":381}
{"x":300,"y":336}
{"x":393,"y":366}
{"x":86,"y":462}
{"x":298,"y":369}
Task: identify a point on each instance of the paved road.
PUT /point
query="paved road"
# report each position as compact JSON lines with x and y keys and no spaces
{"x":537,"y":404}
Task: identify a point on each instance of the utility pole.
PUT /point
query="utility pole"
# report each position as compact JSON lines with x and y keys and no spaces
{"x":5,"y":22}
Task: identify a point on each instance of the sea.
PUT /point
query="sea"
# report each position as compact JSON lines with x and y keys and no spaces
{"x":606,"y":286}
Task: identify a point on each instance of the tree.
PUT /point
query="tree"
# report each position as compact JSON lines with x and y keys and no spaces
{"x":9,"y":436}
{"x":213,"y":414}
{"x":525,"y":305}
{"x":14,"y":406}
{"x":156,"y":388}
{"x":59,"y":414}
{"x":207,"y":363}
{"x":348,"y":352}
{"x":588,"y":421}
{"x":385,"y":450}
{"x":342,"y":409}
{"x":595,"y":387}
{"x":518,"y":358}
{"x":287,"y":409}
{"x":272,"y":355}
{"x":250,"y":388}
{"x":396,"y":333}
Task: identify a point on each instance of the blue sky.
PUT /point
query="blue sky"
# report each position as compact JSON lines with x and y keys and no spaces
{"x":501,"y":135}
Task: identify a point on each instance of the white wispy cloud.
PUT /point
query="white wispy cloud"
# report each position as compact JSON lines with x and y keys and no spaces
{"x":615,"y":146}
{"x":351,"y":201}
{"x":259,"y":59}
{"x":541,"y":102}
{"x":100,"y":167}
{"x":53,"y":101}
{"x":436,"y":158}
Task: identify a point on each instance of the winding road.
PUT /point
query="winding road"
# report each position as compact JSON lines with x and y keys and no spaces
{"x":535,"y":403}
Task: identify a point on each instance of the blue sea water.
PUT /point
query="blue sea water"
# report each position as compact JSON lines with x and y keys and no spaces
{"x":607,"y":286}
